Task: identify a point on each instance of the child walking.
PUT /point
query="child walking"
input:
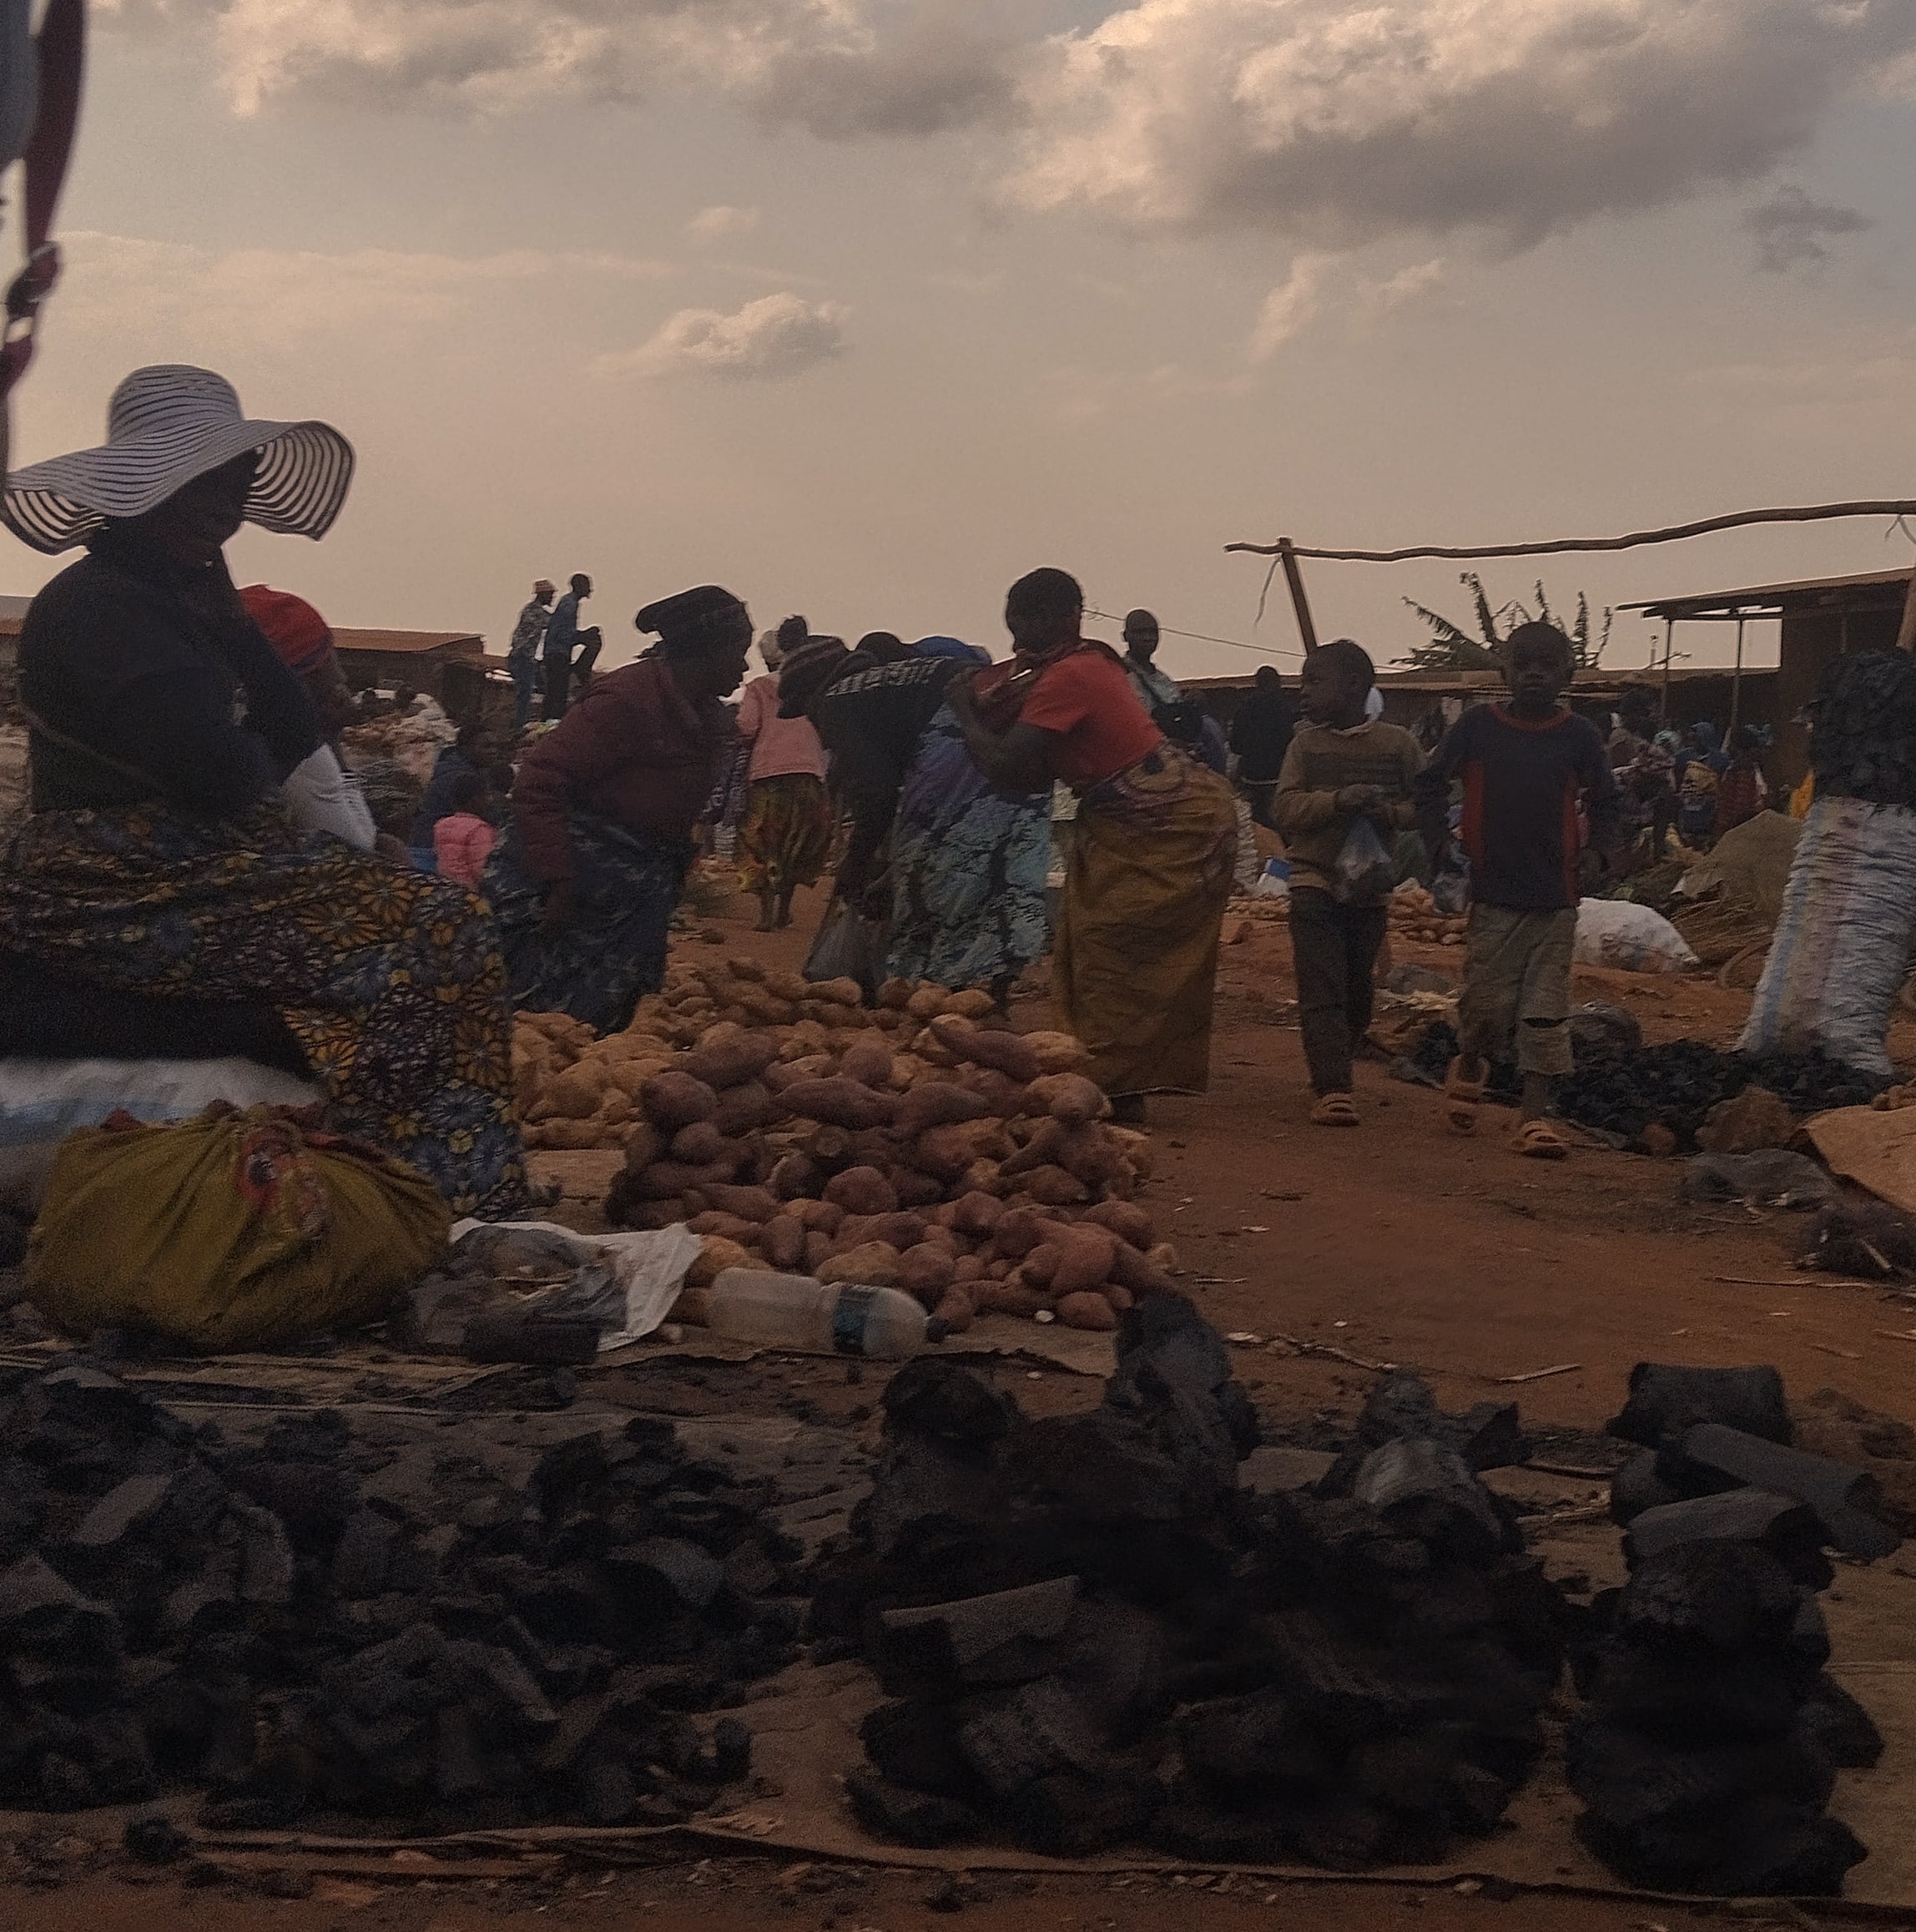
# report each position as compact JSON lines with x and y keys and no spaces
{"x":1524,"y":765}
{"x":1341,"y":769}
{"x":462,"y":840}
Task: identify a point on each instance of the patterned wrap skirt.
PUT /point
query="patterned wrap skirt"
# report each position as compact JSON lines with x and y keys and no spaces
{"x":786,"y":834}
{"x":612,"y":951}
{"x":968,"y":871}
{"x":1136,"y":962}
{"x":392,"y":981}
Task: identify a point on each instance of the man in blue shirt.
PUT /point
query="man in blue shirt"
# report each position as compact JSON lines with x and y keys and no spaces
{"x":562,"y":636}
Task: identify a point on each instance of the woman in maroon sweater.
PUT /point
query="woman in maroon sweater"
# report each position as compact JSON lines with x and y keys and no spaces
{"x":586,"y":878}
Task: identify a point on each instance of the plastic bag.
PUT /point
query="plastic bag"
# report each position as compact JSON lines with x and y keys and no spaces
{"x":1362,"y":869}
{"x":1450,"y":887}
{"x":1614,"y":932}
{"x":232,"y":1232}
{"x":850,"y":945}
{"x":1843,"y":939}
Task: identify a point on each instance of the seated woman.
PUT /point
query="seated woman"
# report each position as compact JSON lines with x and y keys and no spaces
{"x":956,"y":868}
{"x":1135,"y":955}
{"x":586,"y":879}
{"x":157,"y":857}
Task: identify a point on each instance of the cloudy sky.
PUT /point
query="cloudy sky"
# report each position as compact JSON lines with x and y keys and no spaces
{"x":863,"y":307}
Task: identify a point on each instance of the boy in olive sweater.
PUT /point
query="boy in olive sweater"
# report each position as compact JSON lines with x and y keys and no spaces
{"x":1340,"y":768}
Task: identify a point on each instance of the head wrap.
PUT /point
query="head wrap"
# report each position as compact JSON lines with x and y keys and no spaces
{"x":695,"y":621}
{"x":952,"y":648}
{"x":807,"y":673}
{"x":291,"y":626}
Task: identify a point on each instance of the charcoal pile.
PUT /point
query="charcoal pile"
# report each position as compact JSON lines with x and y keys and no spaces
{"x":174,"y":1613}
{"x":1863,"y":730}
{"x":1713,"y":1731}
{"x":1092,"y":1635}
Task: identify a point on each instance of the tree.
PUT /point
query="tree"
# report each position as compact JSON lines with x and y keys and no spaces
{"x":1453,"y":649}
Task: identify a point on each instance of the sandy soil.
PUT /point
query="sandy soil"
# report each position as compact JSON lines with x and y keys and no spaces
{"x":1399,"y":1243}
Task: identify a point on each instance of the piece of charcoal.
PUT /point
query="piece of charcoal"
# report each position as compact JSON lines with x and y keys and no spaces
{"x":1766,"y":1849}
{"x":1066,"y":1815}
{"x":1629,"y":1781}
{"x":1008,"y":1740}
{"x":1847,"y":1502}
{"x":1831,"y":1723}
{"x":953,"y":1405}
{"x":908,"y":1817}
{"x":1788,"y":1530}
{"x":1006,"y":1637}
{"x":1188,"y":1826}
{"x":1639,"y":1486}
{"x":1235,"y":1748}
{"x":154,"y":1840}
{"x":911,"y":1745}
{"x":1666,"y":1400}
{"x":1733,"y":1596}
{"x":1427,"y":1491}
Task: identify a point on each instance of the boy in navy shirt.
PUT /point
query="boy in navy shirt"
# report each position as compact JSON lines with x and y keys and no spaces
{"x":1524,"y":765}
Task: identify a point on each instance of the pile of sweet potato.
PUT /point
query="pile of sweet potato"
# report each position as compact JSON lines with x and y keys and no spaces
{"x":971,"y":1166}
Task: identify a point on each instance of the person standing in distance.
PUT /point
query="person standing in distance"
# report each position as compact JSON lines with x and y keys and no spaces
{"x":1157,"y":690}
{"x":563,"y":638}
{"x":522,"y":654}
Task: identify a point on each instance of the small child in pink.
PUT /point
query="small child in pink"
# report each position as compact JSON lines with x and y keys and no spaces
{"x":462,"y":840}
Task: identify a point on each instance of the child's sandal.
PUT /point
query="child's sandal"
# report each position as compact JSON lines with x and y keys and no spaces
{"x":1537,"y":1140}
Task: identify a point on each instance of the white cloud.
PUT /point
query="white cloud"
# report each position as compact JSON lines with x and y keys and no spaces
{"x":1338,"y":124}
{"x":776,"y":337}
{"x":710,"y":224}
{"x":1290,"y":306}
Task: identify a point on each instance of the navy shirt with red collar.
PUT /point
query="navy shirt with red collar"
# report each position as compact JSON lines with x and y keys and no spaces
{"x":1523,"y":781}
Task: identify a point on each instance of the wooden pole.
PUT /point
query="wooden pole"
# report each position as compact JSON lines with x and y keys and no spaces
{"x":1906,"y":636}
{"x":1737,"y":676}
{"x":1669,"y":644}
{"x":1299,"y":603}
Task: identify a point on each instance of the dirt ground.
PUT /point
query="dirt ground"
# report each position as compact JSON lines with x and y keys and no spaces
{"x":1399,"y":1244}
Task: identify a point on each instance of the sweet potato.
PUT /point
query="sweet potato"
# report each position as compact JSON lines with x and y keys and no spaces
{"x":981,"y":1177}
{"x":1069,"y":1097}
{"x":1008,"y":1298}
{"x":968,"y":1267}
{"x":840,"y":992}
{"x":1164,"y":1256}
{"x":1000,"y":1094}
{"x":1087,"y":1309}
{"x":730,"y":1226}
{"x":782,"y":1242}
{"x":973,"y":1003}
{"x":664,"y":1179}
{"x":756,"y":1204}
{"x":938,"y":1103}
{"x":943,"y":1152}
{"x":926,"y":1272}
{"x":745,"y":1108}
{"x":873,"y":1262}
{"x":928,"y":1001}
{"x":1086,"y":1257}
{"x":862,"y":1190}
{"x":1039,"y":1268}
{"x":1041,"y":1149}
{"x":573,"y":1094}
{"x":1137,"y":1148}
{"x":1120,"y":1298}
{"x":977,"y":1214}
{"x":643,"y":1146}
{"x":1005,"y":1052}
{"x":700,"y":1144}
{"x":895,"y":995}
{"x":671,"y":1101}
{"x":830,"y":1149}
{"x":715,"y":1255}
{"x":1016,"y":1233}
{"x":954,"y":1312}
{"x":649,"y":1216}
{"x":818,"y":1251}
{"x":825,"y":1216}
{"x":902,"y":1230}
{"x":867,"y":1060}
{"x":1058,"y":1053}
{"x":1139,"y":1272}
{"x":1089,"y":1153}
{"x":1055,"y":1187}
{"x":915,"y":1189}
{"x":1129,"y":1223}
{"x":908,"y":1071}
{"x":846,"y":1103}
{"x":797,"y":1177}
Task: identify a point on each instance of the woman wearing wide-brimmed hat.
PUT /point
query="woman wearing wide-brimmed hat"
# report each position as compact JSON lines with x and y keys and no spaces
{"x":159,"y":859}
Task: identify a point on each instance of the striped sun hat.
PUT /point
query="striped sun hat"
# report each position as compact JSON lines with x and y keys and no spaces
{"x":165,"y":426}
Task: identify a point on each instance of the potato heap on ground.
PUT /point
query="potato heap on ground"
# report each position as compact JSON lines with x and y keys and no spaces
{"x":1413,"y":913}
{"x":920,"y":1150}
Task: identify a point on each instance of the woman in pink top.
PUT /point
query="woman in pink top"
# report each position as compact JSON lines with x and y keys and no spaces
{"x":785,"y":832}
{"x":462,"y":840}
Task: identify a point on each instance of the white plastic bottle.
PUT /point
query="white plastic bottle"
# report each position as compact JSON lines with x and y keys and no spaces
{"x":793,"y":1311}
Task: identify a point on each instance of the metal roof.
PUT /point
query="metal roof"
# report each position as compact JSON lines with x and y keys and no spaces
{"x":1769,"y":597}
{"x":1593,"y":683}
{"x":410,"y":643}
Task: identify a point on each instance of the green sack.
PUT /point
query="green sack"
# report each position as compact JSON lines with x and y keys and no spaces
{"x":232,"y":1232}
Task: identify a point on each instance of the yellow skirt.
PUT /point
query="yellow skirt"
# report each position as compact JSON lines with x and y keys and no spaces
{"x":1136,"y":955}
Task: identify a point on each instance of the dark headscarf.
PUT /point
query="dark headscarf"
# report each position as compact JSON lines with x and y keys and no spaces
{"x":953,"y":648}
{"x":696,"y":621}
{"x":807,"y":671}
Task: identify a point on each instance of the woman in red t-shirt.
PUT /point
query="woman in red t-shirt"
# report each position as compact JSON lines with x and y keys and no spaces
{"x":1151,"y":863}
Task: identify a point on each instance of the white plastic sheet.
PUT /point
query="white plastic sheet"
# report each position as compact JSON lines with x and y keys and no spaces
{"x":651,"y":1267}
